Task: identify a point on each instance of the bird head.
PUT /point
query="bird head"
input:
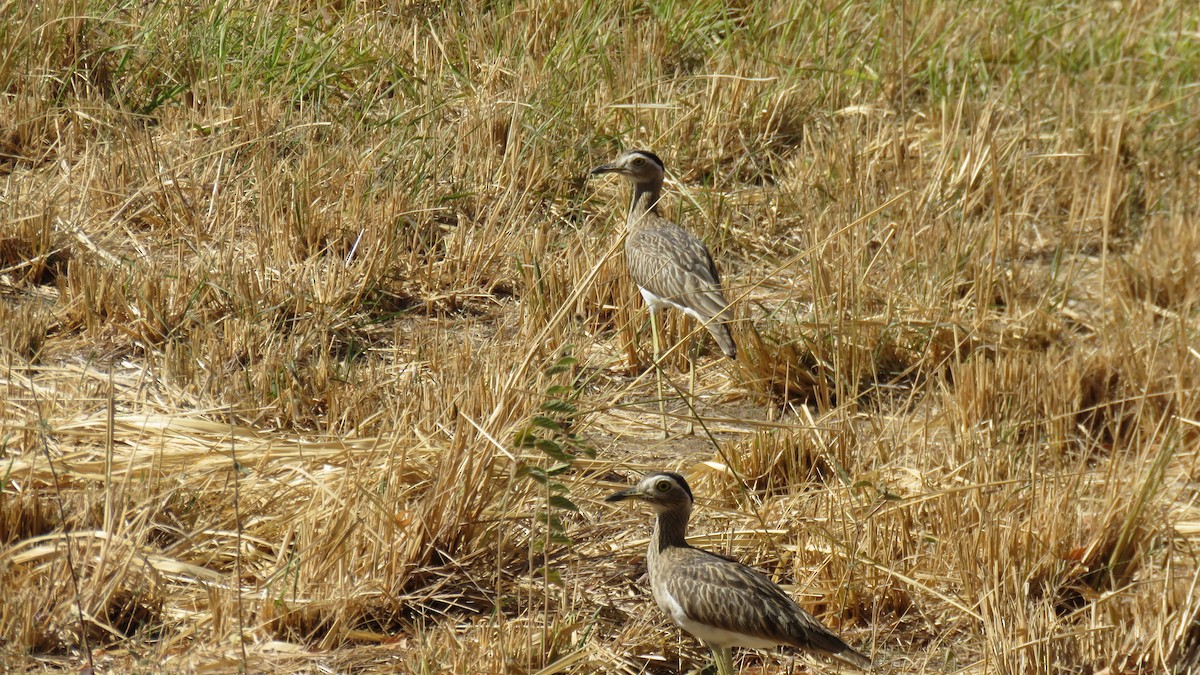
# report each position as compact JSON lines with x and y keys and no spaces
{"x":639,"y":166}
{"x":665,"y":491}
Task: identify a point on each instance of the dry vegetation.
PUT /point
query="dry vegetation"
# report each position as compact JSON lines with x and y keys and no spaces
{"x":283,"y":287}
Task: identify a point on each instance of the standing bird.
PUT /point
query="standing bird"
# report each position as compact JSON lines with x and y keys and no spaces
{"x":720,"y":601}
{"x":671,"y":267}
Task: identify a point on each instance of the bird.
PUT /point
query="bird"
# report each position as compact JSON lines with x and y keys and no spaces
{"x":671,"y":266}
{"x":717,"y":599}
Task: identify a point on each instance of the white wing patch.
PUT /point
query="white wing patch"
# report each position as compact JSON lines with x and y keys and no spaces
{"x":654,"y":303}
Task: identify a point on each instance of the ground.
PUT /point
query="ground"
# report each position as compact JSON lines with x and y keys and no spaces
{"x":318,"y":353}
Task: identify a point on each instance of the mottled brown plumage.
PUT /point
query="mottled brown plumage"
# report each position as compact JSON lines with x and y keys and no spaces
{"x":671,"y":267}
{"x":719,"y":600}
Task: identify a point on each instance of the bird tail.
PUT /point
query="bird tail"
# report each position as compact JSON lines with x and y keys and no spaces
{"x":856,"y":658}
{"x":724,"y":338}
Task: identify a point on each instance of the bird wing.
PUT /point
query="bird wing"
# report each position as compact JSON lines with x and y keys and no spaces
{"x":674,"y":265}
{"x":718,"y":592}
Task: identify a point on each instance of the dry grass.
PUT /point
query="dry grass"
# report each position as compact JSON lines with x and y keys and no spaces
{"x":281,"y":283}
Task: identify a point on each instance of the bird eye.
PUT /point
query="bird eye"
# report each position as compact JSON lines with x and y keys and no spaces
{"x":663,"y":486}
{"x":638,"y":161}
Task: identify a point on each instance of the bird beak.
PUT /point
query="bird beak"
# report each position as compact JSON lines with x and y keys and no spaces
{"x":631,"y":493}
{"x":604,"y":168}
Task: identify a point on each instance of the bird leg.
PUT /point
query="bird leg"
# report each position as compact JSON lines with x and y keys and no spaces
{"x":662,"y":410}
{"x":723,"y":656}
{"x":691,"y":352}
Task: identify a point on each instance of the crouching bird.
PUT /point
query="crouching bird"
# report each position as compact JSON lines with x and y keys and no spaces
{"x":719,"y":600}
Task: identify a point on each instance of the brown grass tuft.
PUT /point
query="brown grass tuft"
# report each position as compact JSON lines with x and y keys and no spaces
{"x":282,"y":288}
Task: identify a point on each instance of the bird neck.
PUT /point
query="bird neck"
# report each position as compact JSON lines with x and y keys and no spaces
{"x":670,"y":529}
{"x":645,"y":199}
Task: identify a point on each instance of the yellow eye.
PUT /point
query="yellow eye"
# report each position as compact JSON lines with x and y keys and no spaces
{"x":638,"y":161}
{"x":663,"y":486}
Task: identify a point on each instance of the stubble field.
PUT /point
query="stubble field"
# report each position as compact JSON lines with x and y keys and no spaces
{"x":318,"y":352}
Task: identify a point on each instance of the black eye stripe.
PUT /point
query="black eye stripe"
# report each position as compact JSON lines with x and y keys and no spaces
{"x":676,"y":480}
{"x":648,"y":156}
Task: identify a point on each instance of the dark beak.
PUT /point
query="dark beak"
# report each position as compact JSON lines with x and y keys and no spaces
{"x":604,"y":168}
{"x":621,"y":496}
